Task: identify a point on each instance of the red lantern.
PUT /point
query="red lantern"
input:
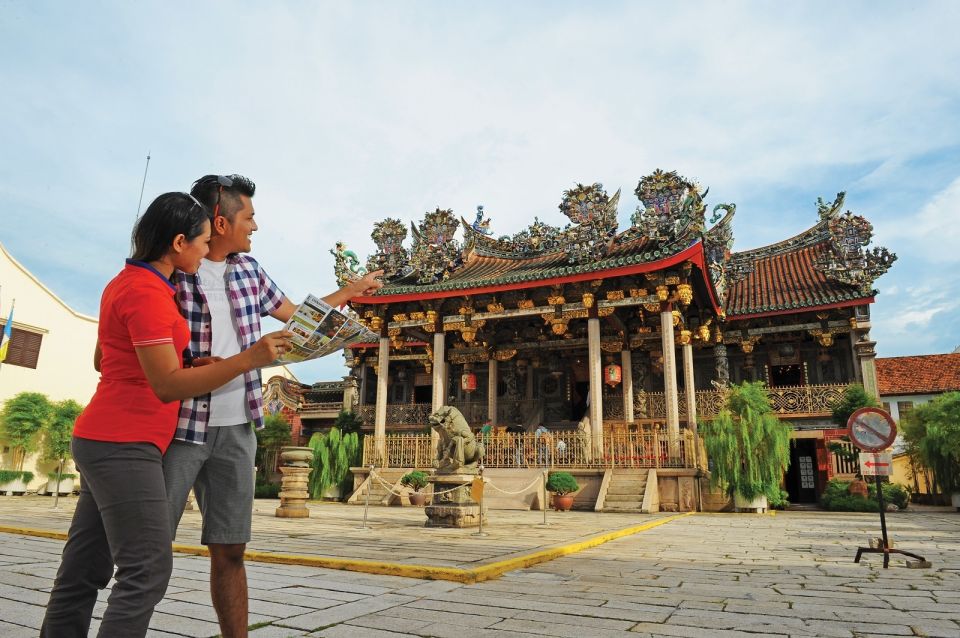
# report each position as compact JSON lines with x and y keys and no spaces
{"x":468,"y":381}
{"x":611,"y":375}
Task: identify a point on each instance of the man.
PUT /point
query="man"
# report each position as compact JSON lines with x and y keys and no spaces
{"x":214,"y":446}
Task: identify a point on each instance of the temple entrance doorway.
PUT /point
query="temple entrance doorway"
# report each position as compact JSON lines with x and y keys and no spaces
{"x":801,"y":478}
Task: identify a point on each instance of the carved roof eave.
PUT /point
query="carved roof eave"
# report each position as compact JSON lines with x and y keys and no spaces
{"x":816,"y":234}
{"x":620,"y":266}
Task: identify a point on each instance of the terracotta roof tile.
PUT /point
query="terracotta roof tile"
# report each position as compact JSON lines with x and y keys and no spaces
{"x":921,"y":374}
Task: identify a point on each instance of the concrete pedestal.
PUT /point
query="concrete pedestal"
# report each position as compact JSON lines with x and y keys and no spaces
{"x":293,"y":492}
{"x":455,"y":508}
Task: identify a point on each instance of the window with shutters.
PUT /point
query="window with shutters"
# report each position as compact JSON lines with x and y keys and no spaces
{"x":24,"y":349}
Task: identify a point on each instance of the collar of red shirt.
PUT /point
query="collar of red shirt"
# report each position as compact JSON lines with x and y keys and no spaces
{"x":146,"y":266}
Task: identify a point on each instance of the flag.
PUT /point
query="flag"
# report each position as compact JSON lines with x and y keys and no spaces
{"x":5,"y":337}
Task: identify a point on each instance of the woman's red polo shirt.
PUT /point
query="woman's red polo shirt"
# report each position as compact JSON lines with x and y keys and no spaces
{"x":137,"y":309}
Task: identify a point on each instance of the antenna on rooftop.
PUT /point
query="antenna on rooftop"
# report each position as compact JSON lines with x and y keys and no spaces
{"x":143,"y":184}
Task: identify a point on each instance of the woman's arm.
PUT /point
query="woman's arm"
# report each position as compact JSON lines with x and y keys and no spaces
{"x":170,"y":382}
{"x":97,"y":356}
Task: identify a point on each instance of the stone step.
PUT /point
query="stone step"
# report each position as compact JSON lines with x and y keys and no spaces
{"x":623,"y":498}
{"x":634,"y":506}
{"x":626,"y":488}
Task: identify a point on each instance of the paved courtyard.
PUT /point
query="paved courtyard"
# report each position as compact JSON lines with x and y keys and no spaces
{"x":722,"y":575}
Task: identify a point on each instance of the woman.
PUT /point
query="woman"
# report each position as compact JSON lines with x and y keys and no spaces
{"x":122,"y":515}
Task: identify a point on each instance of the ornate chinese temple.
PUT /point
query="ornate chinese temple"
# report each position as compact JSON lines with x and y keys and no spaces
{"x":635,"y":329}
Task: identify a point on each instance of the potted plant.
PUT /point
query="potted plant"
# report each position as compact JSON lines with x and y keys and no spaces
{"x":416,"y":481}
{"x":748,"y":446}
{"x":21,"y":420}
{"x":933,"y":430}
{"x":334,"y":453}
{"x":56,"y":445}
{"x":562,"y":485}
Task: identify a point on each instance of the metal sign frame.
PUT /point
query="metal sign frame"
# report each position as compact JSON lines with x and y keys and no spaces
{"x":855,"y":433}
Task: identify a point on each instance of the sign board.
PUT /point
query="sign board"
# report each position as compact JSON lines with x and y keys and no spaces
{"x":876,"y":464}
{"x":871,"y":429}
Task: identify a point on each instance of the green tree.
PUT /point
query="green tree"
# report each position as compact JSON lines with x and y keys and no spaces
{"x":933,"y":430}
{"x":854,"y":398}
{"x":59,"y":434}
{"x":348,"y":422}
{"x":748,"y":446}
{"x":22,"y":419}
{"x":275,"y":434}
{"x":334,"y":453}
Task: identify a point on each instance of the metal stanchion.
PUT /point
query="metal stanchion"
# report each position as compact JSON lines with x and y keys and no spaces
{"x":480,"y":531}
{"x":366,"y":504}
{"x":544,"y":505}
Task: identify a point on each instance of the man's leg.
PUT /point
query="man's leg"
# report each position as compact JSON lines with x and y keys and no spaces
{"x":224,"y":489}
{"x":181,"y":465}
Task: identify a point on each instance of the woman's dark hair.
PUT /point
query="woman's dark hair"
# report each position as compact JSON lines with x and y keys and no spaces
{"x":169,"y":215}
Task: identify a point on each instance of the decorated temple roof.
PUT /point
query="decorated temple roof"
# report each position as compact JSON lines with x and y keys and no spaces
{"x":827,"y":265}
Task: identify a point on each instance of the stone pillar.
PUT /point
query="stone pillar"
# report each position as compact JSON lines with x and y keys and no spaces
{"x":492,"y":381}
{"x":722,"y":364}
{"x":867,"y":355}
{"x":364,"y":379}
{"x":596,"y":384}
{"x":690,"y":387}
{"x":626,"y":367}
{"x":349,"y":393}
{"x":380,"y":418}
{"x":670,"y":378}
{"x":439,"y":396}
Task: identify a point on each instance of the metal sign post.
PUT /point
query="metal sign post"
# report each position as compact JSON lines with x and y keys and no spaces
{"x":873,"y":430}
{"x":479,"y":488}
{"x":366,"y":504}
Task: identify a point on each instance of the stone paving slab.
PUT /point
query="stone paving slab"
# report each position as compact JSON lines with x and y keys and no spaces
{"x":709,"y":575}
{"x":394,"y":534}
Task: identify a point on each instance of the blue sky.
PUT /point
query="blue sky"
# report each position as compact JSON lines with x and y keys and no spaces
{"x":345,"y":113}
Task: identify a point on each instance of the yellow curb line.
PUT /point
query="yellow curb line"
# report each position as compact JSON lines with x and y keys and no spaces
{"x":455,"y":574}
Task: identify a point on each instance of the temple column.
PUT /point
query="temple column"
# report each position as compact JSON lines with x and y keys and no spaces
{"x":670,"y":396}
{"x":690,"y":387}
{"x":364,"y":379}
{"x":596,"y":389}
{"x":626,"y":365}
{"x":722,"y":364}
{"x":492,"y":381}
{"x":380,"y":418}
{"x":438,"y":397}
{"x":867,"y":355}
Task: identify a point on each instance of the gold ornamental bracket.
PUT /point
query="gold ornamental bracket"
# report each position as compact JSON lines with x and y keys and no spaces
{"x":823,"y":337}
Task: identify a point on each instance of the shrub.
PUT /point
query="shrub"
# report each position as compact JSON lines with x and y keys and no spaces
{"x":562,"y":483}
{"x":837,"y":498}
{"x":932,"y":432}
{"x":266,"y":490}
{"x":63,"y":477}
{"x":892,"y":493}
{"x":415,"y":480}
{"x":12,"y":475}
{"x":334,"y":454}
{"x":21,"y":420}
{"x":778,"y":499}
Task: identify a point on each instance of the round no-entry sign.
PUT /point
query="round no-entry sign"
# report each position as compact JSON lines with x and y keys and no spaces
{"x":871,"y":429}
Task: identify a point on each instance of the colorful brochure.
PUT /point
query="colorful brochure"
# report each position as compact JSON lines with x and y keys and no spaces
{"x":320,"y":329}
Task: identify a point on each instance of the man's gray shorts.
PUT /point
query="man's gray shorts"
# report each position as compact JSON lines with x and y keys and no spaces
{"x":220,"y":472}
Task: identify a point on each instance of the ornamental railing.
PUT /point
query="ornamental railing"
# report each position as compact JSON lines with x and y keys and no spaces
{"x":329,"y":406}
{"x":647,"y":448}
{"x":792,"y":401}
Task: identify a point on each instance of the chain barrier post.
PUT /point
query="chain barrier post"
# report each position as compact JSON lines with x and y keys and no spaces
{"x":480,"y":531}
{"x":543,"y":481}
{"x":366,"y":504}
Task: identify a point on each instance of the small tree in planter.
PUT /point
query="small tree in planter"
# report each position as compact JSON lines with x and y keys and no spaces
{"x":748,"y":446}
{"x":56,"y":444}
{"x":933,"y":429}
{"x":562,"y":485}
{"x":21,"y":420}
{"x":334,"y":453}
{"x":416,"y":481}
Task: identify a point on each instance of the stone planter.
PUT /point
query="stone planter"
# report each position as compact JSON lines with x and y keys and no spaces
{"x":955,"y":500}
{"x":418,"y":499}
{"x":293,"y":486}
{"x":758,"y":505}
{"x":16,"y":486}
{"x":293,"y":456}
{"x":858,"y":487}
{"x":332,"y":493}
{"x":65,"y":486}
{"x":563,"y":502}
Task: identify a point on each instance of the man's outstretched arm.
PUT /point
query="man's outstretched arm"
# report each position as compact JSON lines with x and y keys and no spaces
{"x":367,"y":285}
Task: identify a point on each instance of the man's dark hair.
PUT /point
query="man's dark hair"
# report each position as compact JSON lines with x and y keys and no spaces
{"x":208,"y":190}
{"x":169,"y":215}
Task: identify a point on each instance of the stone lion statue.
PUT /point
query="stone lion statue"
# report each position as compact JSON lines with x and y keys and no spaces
{"x":458,"y":452}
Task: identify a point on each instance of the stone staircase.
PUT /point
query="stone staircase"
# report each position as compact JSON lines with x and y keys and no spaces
{"x":625,"y":491}
{"x":379,"y":495}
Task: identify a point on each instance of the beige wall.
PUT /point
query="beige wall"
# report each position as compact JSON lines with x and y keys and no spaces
{"x":65,"y":365}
